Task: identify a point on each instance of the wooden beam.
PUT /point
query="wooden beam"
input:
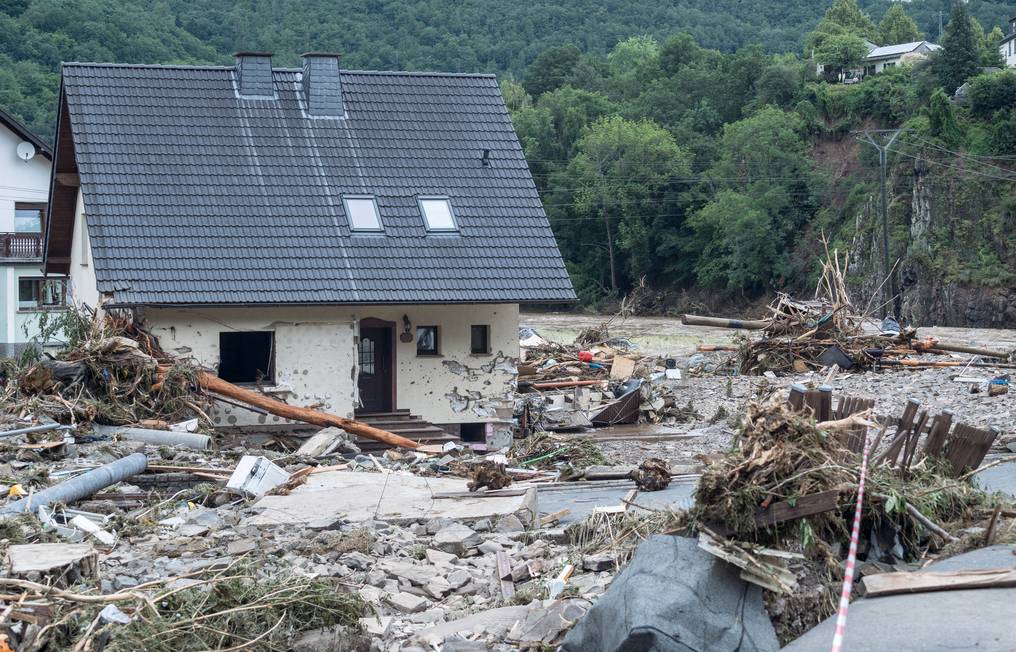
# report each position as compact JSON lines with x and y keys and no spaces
{"x":70,"y":179}
{"x":809,"y":505}
{"x":892,"y":583}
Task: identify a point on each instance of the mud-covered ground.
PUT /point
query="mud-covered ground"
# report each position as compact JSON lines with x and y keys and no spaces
{"x":718,"y":400}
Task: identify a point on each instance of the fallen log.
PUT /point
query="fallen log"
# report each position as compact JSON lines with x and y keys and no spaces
{"x":217,"y":385}
{"x":932,"y":345}
{"x":562,"y":384}
{"x":723,"y":322}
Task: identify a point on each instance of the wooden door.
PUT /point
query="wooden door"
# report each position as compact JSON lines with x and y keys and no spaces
{"x":375,"y":363}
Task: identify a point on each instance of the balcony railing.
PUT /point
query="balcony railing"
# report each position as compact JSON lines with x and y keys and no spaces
{"x":21,"y":245}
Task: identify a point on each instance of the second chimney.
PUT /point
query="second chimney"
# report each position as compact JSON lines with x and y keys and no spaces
{"x":322,"y":84}
{"x":254,"y":74}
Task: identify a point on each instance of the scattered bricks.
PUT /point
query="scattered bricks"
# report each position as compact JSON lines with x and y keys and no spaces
{"x":408,"y":603}
{"x":456,"y":539}
{"x":510,"y":523}
{"x":600,"y":562}
{"x":458,"y":579}
{"x":357,"y":560}
{"x":439,"y":558}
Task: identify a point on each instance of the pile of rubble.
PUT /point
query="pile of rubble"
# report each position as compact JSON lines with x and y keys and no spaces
{"x":798,"y":336}
{"x":596,"y":381}
{"x":130,"y":525}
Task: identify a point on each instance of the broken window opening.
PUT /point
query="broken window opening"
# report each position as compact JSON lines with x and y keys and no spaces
{"x":247,"y":357}
{"x":426,"y":340}
{"x":479,"y":339}
{"x":41,"y":293}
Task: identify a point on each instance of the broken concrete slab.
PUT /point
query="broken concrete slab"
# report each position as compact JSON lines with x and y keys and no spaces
{"x":320,"y":442}
{"x":397,"y":497}
{"x":491,"y":621}
{"x":939,"y":621}
{"x":407,"y":602}
{"x":457,"y":539}
{"x":998,"y":478}
{"x":673,"y":596}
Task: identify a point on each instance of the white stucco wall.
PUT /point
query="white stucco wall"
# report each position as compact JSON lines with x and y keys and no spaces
{"x":81,"y":287}
{"x":316,"y":356}
{"x":20,"y":181}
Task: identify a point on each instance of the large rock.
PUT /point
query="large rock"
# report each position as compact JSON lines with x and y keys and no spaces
{"x":674,"y":597}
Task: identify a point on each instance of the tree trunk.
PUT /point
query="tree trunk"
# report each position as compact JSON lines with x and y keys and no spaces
{"x":217,"y":385}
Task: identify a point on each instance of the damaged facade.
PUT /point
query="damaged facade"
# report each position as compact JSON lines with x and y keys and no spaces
{"x":355,"y":241}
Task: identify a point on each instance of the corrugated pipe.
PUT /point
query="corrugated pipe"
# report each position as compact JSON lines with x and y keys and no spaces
{"x":157,"y":437}
{"x":82,"y":486}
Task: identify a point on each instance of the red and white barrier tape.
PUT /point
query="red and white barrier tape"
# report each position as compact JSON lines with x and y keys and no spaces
{"x":848,"y":574}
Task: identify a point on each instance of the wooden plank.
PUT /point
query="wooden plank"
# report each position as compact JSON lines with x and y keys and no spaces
{"x":804,"y":506}
{"x":554,"y":517}
{"x":892,"y":583}
{"x":504,"y":569}
{"x":622,"y":367}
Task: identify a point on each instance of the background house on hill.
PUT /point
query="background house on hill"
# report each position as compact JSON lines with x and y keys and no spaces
{"x":358,"y":241}
{"x":889,"y":56}
{"x":24,"y":183}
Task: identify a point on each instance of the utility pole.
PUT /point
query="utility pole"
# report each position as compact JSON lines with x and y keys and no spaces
{"x":882,"y":140}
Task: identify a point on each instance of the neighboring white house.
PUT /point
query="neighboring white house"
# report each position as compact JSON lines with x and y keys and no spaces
{"x":889,"y":56}
{"x":1008,"y":45}
{"x":24,"y":187}
{"x":356,"y":241}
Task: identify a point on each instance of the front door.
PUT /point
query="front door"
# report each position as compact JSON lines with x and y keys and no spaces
{"x":375,"y":361}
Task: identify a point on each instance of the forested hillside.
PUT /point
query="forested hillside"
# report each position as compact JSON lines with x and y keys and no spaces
{"x":451,"y":35}
{"x":719,"y":173}
{"x":688,"y":143}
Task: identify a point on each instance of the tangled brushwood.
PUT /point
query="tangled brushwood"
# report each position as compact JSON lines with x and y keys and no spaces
{"x":230,"y":609}
{"x":108,"y":373}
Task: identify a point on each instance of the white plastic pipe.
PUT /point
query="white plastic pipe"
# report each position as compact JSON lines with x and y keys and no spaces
{"x":157,"y":437}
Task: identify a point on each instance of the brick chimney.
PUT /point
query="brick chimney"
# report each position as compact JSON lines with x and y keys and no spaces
{"x":254,"y":74}
{"x":322,"y":84}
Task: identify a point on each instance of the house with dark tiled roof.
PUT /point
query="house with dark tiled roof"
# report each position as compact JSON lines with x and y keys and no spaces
{"x":359,"y":241}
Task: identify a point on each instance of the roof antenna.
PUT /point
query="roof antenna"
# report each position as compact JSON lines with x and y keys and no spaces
{"x":485,"y":159}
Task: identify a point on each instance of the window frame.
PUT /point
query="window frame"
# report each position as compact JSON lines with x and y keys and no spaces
{"x":39,"y":282}
{"x":349,"y":214}
{"x":270,"y":375}
{"x":421,"y":199}
{"x":31,"y":206}
{"x":486,"y":339}
{"x":436,"y":351}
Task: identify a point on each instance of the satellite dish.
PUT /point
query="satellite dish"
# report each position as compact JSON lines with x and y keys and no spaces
{"x":26,"y":151}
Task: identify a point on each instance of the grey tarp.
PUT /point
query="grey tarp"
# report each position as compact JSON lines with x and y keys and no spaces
{"x":675,"y":597}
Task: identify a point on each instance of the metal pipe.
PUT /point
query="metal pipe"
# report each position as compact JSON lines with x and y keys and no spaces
{"x":157,"y":437}
{"x":82,"y":486}
{"x":45,"y":427}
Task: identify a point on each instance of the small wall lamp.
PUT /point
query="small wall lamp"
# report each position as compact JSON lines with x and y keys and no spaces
{"x":407,"y":330}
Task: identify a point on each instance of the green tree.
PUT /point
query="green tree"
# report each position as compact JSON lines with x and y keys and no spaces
{"x":961,"y":50}
{"x":515,"y":96}
{"x":737,"y":244}
{"x":622,"y":171}
{"x":897,"y":27}
{"x":551,"y":69}
{"x":991,"y":55}
{"x":841,"y":52}
{"x":991,"y":93}
{"x":679,"y":51}
{"x":850,"y":16}
{"x":942,"y":122}
{"x":632,"y":64}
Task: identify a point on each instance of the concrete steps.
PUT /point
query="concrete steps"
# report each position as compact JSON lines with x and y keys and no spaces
{"x":404,"y":424}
